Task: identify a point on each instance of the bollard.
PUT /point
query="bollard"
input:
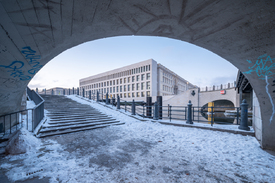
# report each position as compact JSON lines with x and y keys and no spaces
{"x":244,"y":116}
{"x":189,"y":113}
{"x":69,"y":91}
{"x":97,"y":96}
{"x":133,"y":108}
{"x":52,"y":91}
{"x":83,"y":92}
{"x":156,"y":111}
{"x":77,"y":91}
{"x":73,"y":90}
{"x":107,"y":98}
{"x":118,"y":102}
{"x":45,"y":91}
{"x":63,"y":91}
{"x":113,"y":100}
{"x":90,"y":94}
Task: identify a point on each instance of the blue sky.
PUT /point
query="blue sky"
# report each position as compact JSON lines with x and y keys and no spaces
{"x":195,"y":64}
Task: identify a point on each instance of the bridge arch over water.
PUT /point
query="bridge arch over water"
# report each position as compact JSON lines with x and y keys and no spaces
{"x":242,"y":32}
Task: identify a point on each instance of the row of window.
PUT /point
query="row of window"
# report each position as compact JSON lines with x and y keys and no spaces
{"x":118,"y":81}
{"x":167,"y":88}
{"x":124,"y":88}
{"x":127,"y":95}
{"x":119,"y":74}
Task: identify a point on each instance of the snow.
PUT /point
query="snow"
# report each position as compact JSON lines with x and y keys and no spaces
{"x":143,"y":152}
{"x":22,"y":142}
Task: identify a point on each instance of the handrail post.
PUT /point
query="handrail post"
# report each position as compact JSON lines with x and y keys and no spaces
{"x":133,"y":108}
{"x":238,"y":112}
{"x":90,"y":94}
{"x":170,"y":112}
{"x":244,"y":116}
{"x":107,"y":98}
{"x":118,"y":103}
{"x":212,"y":115}
{"x":156,"y":111}
{"x":97,"y":96}
{"x":189,"y":113}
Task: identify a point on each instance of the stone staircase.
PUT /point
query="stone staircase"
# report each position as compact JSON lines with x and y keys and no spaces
{"x":67,"y":116}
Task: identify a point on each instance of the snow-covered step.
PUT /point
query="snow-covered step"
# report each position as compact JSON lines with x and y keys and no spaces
{"x":41,"y":135}
{"x":62,"y":123}
{"x":74,"y":126}
{"x":68,"y":116}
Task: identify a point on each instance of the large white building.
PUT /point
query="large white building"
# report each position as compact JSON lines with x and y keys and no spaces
{"x":136,"y":81}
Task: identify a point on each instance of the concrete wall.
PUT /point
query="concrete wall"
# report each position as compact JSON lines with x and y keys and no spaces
{"x":200,"y":99}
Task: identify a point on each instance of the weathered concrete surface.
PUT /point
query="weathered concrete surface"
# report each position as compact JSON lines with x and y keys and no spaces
{"x":33,"y":32}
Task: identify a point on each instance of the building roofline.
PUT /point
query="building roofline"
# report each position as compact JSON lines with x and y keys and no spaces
{"x":114,"y":70}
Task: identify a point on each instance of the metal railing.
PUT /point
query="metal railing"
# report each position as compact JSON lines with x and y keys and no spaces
{"x":29,"y":118}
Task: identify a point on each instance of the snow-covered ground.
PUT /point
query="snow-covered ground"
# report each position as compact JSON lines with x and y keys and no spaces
{"x":143,"y":152}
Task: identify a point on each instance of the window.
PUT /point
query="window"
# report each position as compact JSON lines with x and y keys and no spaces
{"x":107,"y":90}
{"x":146,"y":67}
{"x":142,"y":94}
{"x":124,"y":95}
{"x":129,"y":87}
{"x":142,"y":86}
{"x":124,"y":87}
{"x":111,"y":90}
{"x":138,"y":94}
{"x":117,"y":89}
{"x":114,"y":89}
{"x":104,"y":90}
{"x":149,"y":67}
{"x":110,"y":83}
{"x":148,"y":93}
{"x":142,"y":77}
{"x":148,"y":85}
{"x":107,"y":83}
{"x":137,"y":77}
{"x":124,"y":80}
{"x":148,"y":76}
{"x":133,"y":87}
{"x":120,"y":89}
{"x":129,"y":95}
{"x":117,"y":81}
{"x":133,"y":94}
{"x":121,"y":95}
{"x":114,"y":82}
{"x":104,"y":83}
{"x":137,"y":86}
{"x":129,"y":79}
{"x":120,"y":81}
{"x":133,"y":78}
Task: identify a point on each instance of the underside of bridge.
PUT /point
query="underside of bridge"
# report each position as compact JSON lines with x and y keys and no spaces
{"x":242,"y":32}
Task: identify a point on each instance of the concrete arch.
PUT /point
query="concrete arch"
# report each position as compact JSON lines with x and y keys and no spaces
{"x":242,"y":32}
{"x":224,"y":103}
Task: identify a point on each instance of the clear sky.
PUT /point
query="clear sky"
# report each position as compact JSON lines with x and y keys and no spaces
{"x":195,"y":64}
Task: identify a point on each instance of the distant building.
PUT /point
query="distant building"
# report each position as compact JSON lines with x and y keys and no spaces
{"x":136,"y":81}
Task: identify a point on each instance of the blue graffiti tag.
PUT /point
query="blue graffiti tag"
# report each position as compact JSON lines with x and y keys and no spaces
{"x":15,"y":69}
{"x":32,"y":59}
{"x":264,"y":66}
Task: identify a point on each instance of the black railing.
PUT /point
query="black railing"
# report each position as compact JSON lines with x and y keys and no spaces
{"x":29,"y":118}
{"x":38,"y":110}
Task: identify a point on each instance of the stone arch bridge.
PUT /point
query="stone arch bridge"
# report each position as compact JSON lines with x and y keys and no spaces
{"x":242,"y":32}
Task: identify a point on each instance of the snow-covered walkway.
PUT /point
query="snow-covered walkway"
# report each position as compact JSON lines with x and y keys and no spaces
{"x":144,"y":152}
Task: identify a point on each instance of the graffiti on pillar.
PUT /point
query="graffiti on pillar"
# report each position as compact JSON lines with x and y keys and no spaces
{"x":16,"y":67}
{"x":32,"y":58}
{"x":263,"y":67}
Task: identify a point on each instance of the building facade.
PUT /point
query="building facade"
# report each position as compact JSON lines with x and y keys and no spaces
{"x":136,"y":81}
